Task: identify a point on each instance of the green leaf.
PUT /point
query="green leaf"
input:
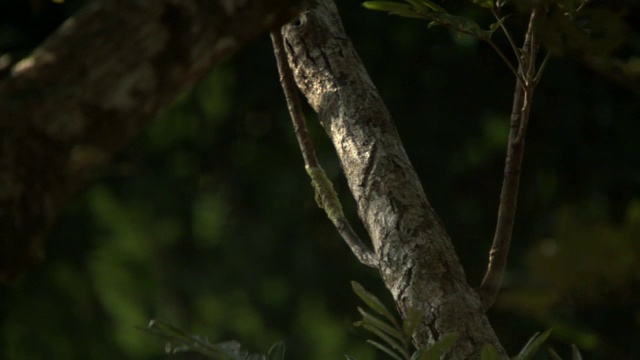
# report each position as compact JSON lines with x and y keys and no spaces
{"x":389,"y":6}
{"x":349,"y":357}
{"x":418,"y":5}
{"x":409,"y":326}
{"x":417,"y":355}
{"x":394,"y":8}
{"x":384,"y":349}
{"x":426,"y":5}
{"x":554,"y":354}
{"x":393,"y":343}
{"x":277,"y":351}
{"x":533,"y":345}
{"x":440,"y":347}
{"x":489,"y":352}
{"x":457,"y":23}
{"x":381,"y":325}
{"x":373,"y":302}
{"x":496,"y":25}
{"x":575,"y":353}
{"x":180,"y":341}
{"x":433,"y":6}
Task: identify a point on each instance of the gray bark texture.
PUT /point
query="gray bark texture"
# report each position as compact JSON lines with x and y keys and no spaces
{"x":417,"y":259}
{"x":89,"y":90}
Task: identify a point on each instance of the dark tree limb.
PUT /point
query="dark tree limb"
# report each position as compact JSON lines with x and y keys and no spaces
{"x":525,"y":84}
{"x":417,"y":260}
{"x":89,"y":90}
{"x":290,"y":89}
{"x":326,"y":197}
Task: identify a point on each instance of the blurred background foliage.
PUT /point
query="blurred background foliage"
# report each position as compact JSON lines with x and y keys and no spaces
{"x":208,"y":220}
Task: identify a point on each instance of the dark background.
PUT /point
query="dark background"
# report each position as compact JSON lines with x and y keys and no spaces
{"x":208,"y":220}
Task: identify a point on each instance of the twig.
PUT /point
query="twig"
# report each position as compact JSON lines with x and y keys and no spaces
{"x":326,"y":196}
{"x":543,"y":66}
{"x":515,"y":72}
{"x":582,"y":5}
{"x":499,"y":252}
{"x":531,"y":48}
{"x":507,"y":34}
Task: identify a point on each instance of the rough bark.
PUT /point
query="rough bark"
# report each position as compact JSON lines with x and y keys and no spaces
{"x":417,"y":259}
{"x":90,"y":89}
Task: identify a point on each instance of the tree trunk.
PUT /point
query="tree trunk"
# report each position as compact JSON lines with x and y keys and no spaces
{"x":417,"y":259}
{"x":89,"y":90}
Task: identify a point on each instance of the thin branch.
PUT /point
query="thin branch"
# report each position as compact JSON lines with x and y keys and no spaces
{"x":97,"y":94}
{"x":326,"y":196}
{"x":499,"y":252}
{"x":542,"y":67}
{"x":506,"y":32}
{"x":531,"y":48}
{"x":582,"y":5}
{"x":293,"y":103}
{"x":507,"y":61}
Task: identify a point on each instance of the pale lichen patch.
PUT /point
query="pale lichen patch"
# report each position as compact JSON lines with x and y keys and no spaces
{"x":23,"y":66}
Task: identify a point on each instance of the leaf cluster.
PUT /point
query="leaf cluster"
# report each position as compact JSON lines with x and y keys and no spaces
{"x":394,"y":338}
{"x":181,"y":341}
{"x":395,"y":335}
{"x":436,"y":15}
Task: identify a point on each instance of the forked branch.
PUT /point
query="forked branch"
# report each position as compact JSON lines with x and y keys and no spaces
{"x":326,"y":196}
{"x":527,"y":79}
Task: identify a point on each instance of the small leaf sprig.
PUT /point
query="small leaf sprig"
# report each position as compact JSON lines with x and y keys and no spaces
{"x":181,"y":341}
{"x":438,"y":16}
{"x":395,"y":335}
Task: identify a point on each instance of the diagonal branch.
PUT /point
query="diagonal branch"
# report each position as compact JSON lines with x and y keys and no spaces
{"x":522,"y":97}
{"x":418,"y":263}
{"x":326,"y":196}
{"x":507,"y":33}
{"x":90,"y":89}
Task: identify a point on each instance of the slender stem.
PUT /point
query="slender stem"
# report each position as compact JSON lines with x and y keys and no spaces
{"x":521,"y":109}
{"x":506,"y":60}
{"x":582,"y":5}
{"x":507,"y":34}
{"x":543,"y":66}
{"x":531,"y":46}
{"x":326,"y":196}
{"x":293,"y":102}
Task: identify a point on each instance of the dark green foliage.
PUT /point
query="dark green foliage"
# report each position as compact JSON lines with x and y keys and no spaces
{"x":597,"y":32}
{"x":575,"y":354}
{"x":532,"y":346}
{"x":436,"y":15}
{"x":276,"y":352}
{"x":396,"y":335}
{"x":489,"y":352}
{"x":396,"y":339}
{"x":180,"y":341}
